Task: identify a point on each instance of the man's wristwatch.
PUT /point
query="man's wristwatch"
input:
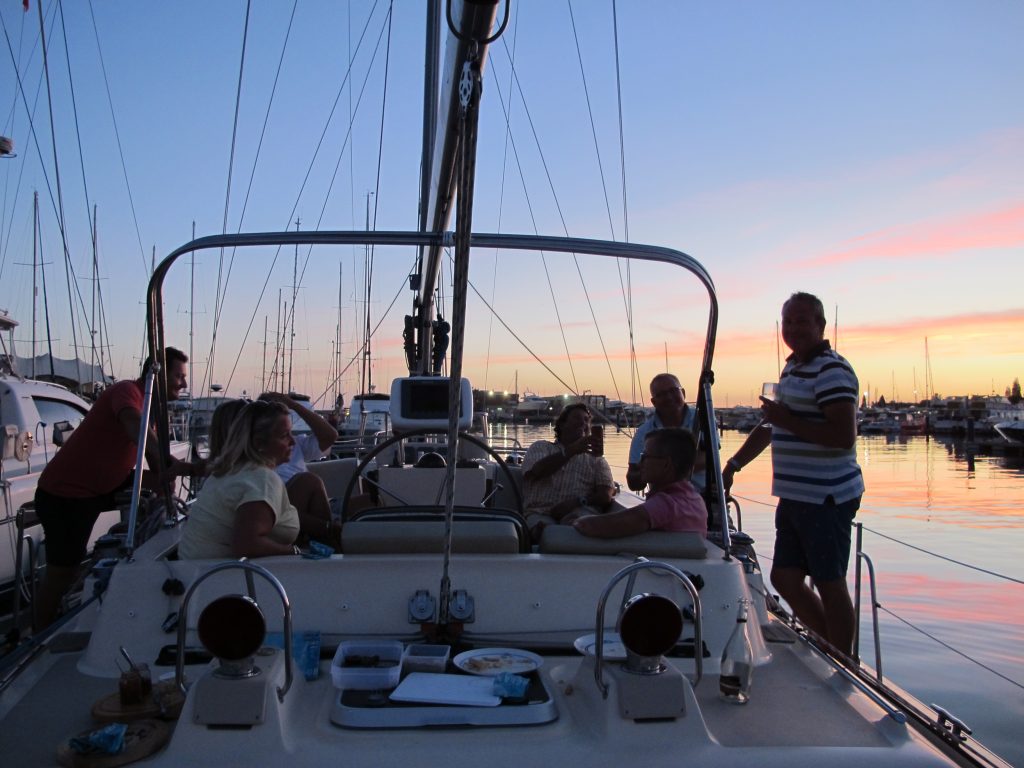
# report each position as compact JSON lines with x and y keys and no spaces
{"x":734,"y":464}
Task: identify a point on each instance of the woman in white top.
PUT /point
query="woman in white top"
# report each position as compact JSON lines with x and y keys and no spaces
{"x":243,"y":508}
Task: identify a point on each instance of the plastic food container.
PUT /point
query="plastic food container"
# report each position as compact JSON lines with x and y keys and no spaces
{"x":378,"y":665}
{"x":425,"y":657}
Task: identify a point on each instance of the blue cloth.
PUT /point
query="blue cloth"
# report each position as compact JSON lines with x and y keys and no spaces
{"x":305,"y":650}
{"x":317,"y":551}
{"x":510,"y":686}
{"x":109,"y":740}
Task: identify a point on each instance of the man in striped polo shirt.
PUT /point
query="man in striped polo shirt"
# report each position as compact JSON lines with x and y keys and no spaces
{"x":812,"y":428}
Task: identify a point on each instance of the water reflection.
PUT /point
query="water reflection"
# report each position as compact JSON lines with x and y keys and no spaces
{"x":958,"y":500}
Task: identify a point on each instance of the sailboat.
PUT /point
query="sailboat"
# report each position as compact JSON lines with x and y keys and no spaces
{"x":601,"y":651}
{"x":35,"y":417}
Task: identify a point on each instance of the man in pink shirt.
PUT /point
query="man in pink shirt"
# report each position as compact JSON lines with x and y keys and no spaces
{"x":672,"y":503}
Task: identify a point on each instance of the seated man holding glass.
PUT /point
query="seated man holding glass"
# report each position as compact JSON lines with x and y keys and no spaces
{"x":566,"y":477}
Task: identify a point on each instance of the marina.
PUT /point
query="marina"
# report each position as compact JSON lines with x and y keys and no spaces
{"x":928,"y":501}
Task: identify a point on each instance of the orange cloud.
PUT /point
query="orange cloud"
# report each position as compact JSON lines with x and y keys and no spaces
{"x":1002,"y":228}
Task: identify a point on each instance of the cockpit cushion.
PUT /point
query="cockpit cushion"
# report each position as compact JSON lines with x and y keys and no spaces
{"x":565,"y":540}
{"x":403,"y":537}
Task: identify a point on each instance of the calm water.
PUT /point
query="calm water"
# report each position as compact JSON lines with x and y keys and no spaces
{"x":926,"y":494}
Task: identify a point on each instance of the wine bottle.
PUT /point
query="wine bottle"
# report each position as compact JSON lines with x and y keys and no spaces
{"x":737,"y":662}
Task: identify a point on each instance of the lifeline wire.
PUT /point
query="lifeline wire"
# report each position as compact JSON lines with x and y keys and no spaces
{"x":912,"y":546}
{"x":309,"y":170}
{"x":954,"y":650}
{"x":947,"y":559}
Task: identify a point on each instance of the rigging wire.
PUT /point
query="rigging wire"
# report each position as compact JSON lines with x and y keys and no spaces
{"x":951,"y":648}
{"x":218,"y":304}
{"x":625,"y":286}
{"x":593,"y":127}
{"x":7,"y":130}
{"x":74,"y":112}
{"x":401,"y":289}
{"x":635,"y":384}
{"x":368,"y":273}
{"x":533,"y":220}
{"x":10,"y":122}
{"x":256,"y":159}
{"x":376,"y":194}
{"x":117,"y":136}
{"x":68,"y":267}
{"x":518,"y":338}
{"x":309,"y":171}
{"x":90,"y":324}
{"x":565,"y":228}
{"x":501,"y":202}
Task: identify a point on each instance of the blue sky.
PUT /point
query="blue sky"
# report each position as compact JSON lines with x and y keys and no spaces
{"x":868,"y":152}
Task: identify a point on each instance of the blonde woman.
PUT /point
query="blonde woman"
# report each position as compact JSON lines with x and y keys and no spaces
{"x":243,"y":508}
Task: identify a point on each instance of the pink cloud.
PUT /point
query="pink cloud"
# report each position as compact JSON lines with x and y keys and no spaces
{"x":1003,"y":228}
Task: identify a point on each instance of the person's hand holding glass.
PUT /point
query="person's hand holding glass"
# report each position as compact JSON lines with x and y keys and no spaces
{"x":771,"y":405}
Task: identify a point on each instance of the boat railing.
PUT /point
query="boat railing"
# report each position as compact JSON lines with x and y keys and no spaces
{"x":946,"y":725}
{"x":249,"y":570}
{"x":862,"y":556}
{"x":628,"y":573}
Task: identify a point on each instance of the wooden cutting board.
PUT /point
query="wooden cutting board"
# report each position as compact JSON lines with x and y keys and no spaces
{"x":142,"y":739}
{"x":164,"y":702}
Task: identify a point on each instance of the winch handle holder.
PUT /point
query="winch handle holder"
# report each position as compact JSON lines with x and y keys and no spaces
{"x":249,"y":569}
{"x":630,"y":570}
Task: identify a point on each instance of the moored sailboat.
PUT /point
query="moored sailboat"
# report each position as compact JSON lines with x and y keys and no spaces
{"x":582,"y":620}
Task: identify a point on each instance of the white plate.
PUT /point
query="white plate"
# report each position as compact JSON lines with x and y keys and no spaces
{"x":493,"y":661}
{"x":613,"y":649}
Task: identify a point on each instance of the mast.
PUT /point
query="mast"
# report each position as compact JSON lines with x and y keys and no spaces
{"x":277,"y":344}
{"x":468,"y":49}
{"x":35,"y":290}
{"x":337,"y":337}
{"x":295,"y":291}
{"x":192,"y":315}
{"x":281,"y":344}
{"x":60,"y":199}
{"x":95,"y":286}
{"x":929,"y":382}
{"x":46,"y":298}
{"x":367,"y":361}
{"x":263,"y":376}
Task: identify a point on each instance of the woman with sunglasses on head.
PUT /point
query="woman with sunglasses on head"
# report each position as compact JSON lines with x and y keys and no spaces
{"x":243,"y":508}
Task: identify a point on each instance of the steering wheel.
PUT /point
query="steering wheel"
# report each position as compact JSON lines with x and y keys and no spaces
{"x":379,"y":449}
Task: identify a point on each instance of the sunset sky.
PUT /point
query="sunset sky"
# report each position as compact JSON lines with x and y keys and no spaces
{"x":871,"y":153}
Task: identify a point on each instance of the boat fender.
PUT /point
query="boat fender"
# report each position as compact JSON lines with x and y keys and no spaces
{"x":23,"y":446}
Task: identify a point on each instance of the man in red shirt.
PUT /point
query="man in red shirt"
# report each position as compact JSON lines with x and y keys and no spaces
{"x":96,"y":461}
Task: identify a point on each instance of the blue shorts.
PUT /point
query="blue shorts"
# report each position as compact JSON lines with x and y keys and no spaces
{"x":814,"y":537}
